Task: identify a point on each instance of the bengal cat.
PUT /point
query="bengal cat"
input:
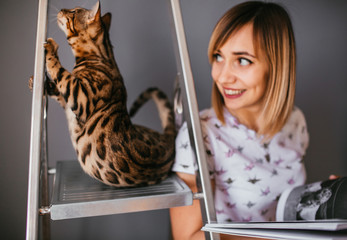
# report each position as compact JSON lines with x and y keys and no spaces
{"x":109,"y":147}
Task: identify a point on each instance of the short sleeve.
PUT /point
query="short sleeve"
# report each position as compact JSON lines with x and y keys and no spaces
{"x":294,"y":134}
{"x":185,"y":160}
{"x":301,"y":135}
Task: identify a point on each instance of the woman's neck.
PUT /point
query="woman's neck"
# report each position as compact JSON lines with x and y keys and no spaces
{"x":251,"y":119}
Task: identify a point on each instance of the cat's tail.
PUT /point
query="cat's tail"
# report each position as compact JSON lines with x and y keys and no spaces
{"x":164,"y":108}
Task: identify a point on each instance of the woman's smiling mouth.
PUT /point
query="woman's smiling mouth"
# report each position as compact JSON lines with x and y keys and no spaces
{"x":233,"y":92}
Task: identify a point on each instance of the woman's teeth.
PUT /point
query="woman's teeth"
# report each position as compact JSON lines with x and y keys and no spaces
{"x":233,"y":92}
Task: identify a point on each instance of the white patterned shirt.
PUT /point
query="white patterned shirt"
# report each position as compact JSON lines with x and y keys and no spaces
{"x":249,"y":175}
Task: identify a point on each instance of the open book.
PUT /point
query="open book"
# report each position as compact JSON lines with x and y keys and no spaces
{"x":320,"y":200}
{"x":312,"y":211}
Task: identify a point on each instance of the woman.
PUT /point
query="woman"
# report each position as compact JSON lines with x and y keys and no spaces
{"x":254,"y":136}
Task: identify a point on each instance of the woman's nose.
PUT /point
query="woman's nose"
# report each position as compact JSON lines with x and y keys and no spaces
{"x":227,"y":74}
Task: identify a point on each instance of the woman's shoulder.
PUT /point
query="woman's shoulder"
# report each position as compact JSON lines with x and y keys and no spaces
{"x":210,"y":123}
{"x":296,"y":117}
{"x":207,"y":113}
{"x":207,"y":117}
{"x":296,"y":128}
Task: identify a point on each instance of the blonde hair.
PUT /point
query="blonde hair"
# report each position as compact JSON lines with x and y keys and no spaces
{"x":273,"y":35}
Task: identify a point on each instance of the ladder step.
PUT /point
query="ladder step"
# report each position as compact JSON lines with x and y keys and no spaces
{"x":77,"y":195}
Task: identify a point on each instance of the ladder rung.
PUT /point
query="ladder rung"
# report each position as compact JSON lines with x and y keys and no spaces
{"x":77,"y":195}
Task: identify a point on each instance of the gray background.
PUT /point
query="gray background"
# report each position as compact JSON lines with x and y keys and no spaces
{"x":141,"y":35}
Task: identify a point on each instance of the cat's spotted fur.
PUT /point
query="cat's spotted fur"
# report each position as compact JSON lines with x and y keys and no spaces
{"x":109,"y":147}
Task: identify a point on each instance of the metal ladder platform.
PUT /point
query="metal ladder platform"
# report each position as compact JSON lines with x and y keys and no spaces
{"x":76,"y":195}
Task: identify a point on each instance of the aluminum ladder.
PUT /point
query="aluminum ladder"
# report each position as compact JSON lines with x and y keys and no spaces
{"x":70,"y":184}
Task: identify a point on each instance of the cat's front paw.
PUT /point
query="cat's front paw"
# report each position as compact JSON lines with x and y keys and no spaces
{"x":51,"y":46}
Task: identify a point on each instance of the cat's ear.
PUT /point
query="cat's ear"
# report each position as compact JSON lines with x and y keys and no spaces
{"x":106,"y":19}
{"x":95,"y":13}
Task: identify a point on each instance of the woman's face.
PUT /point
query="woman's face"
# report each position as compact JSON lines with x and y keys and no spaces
{"x":240,"y":74}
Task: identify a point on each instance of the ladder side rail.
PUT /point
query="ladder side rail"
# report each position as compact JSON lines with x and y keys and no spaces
{"x":44,"y":182}
{"x":36,"y":125}
{"x":193,"y":119}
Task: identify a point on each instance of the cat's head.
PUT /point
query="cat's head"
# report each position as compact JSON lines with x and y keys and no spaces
{"x":83,"y":24}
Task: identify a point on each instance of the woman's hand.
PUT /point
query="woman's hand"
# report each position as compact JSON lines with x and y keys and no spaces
{"x":333,"y":177}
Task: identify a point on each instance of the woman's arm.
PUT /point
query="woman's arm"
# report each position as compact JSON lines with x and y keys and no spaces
{"x":186,"y":221}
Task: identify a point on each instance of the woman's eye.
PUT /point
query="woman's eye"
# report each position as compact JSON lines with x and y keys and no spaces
{"x":244,"y":61}
{"x":218,"y":57}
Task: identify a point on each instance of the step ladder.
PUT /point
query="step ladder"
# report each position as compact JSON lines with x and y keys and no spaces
{"x":77,"y":195}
